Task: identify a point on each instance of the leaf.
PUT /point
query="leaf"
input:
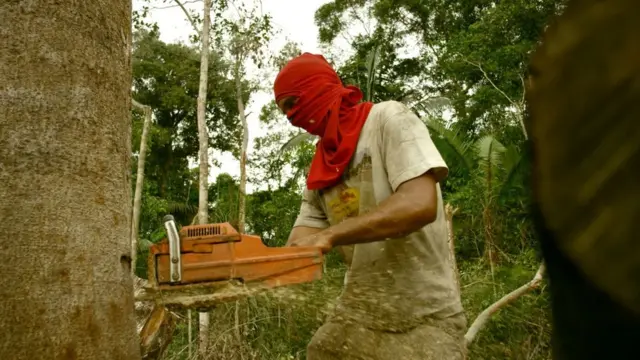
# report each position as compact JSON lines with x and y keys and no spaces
{"x":490,"y":150}
{"x":372,"y":65}
{"x":455,"y":146}
{"x":144,"y":244}
{"x":297,"y":140}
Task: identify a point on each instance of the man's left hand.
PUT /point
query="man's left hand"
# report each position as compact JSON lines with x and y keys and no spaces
{"x":322,"y":239}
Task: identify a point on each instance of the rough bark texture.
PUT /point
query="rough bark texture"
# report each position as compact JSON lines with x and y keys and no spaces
{"x":66,"y":290}
{"x":203,"y":135}
{"x":137,"y":197}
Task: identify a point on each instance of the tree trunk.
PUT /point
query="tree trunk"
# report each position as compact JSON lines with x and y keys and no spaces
{"x":449,"y":212}
{"x":243,"y":150}
{"x":203,"y":200}
{"x":66,"y":290}
{"x":137,"y":198}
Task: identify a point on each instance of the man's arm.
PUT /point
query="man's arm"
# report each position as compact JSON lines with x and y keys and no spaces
{"x":414,"y":167}
{"x":411,"y":207}
{"x":299,"y":232}
{"x":311,"y":219}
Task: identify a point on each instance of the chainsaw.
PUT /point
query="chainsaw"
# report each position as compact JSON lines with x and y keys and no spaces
{"x":202,"y":265}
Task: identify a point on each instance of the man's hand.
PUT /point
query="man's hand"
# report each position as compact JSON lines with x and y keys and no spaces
{"x":322,"y":239}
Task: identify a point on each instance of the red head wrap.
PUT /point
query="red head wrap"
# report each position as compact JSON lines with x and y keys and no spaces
{"x":325,"y":108}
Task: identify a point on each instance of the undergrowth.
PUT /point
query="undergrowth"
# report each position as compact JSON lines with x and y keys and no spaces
{"x":278,"y":327}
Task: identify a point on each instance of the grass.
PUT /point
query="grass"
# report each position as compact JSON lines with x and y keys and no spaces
{"x":278,"y":327}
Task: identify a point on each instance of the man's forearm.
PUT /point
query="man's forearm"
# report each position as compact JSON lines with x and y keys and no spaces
{"x":396,"y":217}
{"x":302,"y":231}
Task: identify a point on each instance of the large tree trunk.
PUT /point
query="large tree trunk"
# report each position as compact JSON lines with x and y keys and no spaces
{"x":66,"y":291}
{"x":137,"y":198}
{"x":203,"y":200}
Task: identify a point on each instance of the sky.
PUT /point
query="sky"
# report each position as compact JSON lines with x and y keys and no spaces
{"x":293,"y":18}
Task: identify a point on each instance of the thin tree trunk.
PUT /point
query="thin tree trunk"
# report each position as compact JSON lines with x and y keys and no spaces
{"x":243,"y":150}
{"x":66,"y":290}
{"x":137,"y":198}
{"x":449,"y":212}
{"x":203,"y":200}
{"x":484,"y":316}
{"x":190,"y":334}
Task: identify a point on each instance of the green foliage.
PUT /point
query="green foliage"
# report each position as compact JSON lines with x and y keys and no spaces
{"x":473,"y":52}
{"x":463,"y":57}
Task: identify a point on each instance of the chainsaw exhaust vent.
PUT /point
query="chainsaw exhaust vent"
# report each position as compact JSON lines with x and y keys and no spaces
{"x":204,"y":231}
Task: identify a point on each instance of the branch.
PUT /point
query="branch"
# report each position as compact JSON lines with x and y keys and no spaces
{"x":173,"y":6}
{"x":486,"y":76}
{"x":519,"y":106}
{"x":484,"y":316}
{"x":524,"y":89}
{"x":138,"y":106}
{"x":193,"y":23}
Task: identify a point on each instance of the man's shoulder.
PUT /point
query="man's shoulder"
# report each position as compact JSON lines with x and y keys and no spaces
{"x":389,"y":115}
{"x":390,"y":109}
{"x":391,"y":112}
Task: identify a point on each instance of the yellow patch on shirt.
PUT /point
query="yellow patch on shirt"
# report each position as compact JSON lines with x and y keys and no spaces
{"x":345,"y":204}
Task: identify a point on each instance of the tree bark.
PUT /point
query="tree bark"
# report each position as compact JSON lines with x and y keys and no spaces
{"x":66,"y":290}
{"x":203,"y":135}
{"x":137,"y":198}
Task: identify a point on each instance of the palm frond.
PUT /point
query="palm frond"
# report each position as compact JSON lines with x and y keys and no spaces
{"x":455,"y":146}
{"x":296,"y":140}
{"x":372,"y":65}
{"x":514,"y":165}
{"x":174,"y":207}
{"x":490,"y":152}
{"x":428,"y":105}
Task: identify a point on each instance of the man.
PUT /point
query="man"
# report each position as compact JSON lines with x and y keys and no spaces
{"x":373,"y":183}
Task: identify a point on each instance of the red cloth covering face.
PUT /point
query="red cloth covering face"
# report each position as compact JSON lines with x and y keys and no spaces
{"x":325,"y":108}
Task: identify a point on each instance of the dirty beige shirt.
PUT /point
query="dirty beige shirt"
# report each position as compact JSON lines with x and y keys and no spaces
{"x":394,"y":284}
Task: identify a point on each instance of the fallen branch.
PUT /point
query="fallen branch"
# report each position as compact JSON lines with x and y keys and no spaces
{"x":484,"y":316}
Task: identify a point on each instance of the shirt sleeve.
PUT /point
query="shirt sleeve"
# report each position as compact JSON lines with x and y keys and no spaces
{"x":407,"y":148}
{"x":311,"y":214}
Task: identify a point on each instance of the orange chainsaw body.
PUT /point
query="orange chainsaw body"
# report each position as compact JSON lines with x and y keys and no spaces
{"x":218,"y":252}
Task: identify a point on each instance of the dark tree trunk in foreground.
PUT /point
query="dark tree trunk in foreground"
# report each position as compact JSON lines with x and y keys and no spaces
{"x":584,"y":109}
{"x":65,"y":198}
